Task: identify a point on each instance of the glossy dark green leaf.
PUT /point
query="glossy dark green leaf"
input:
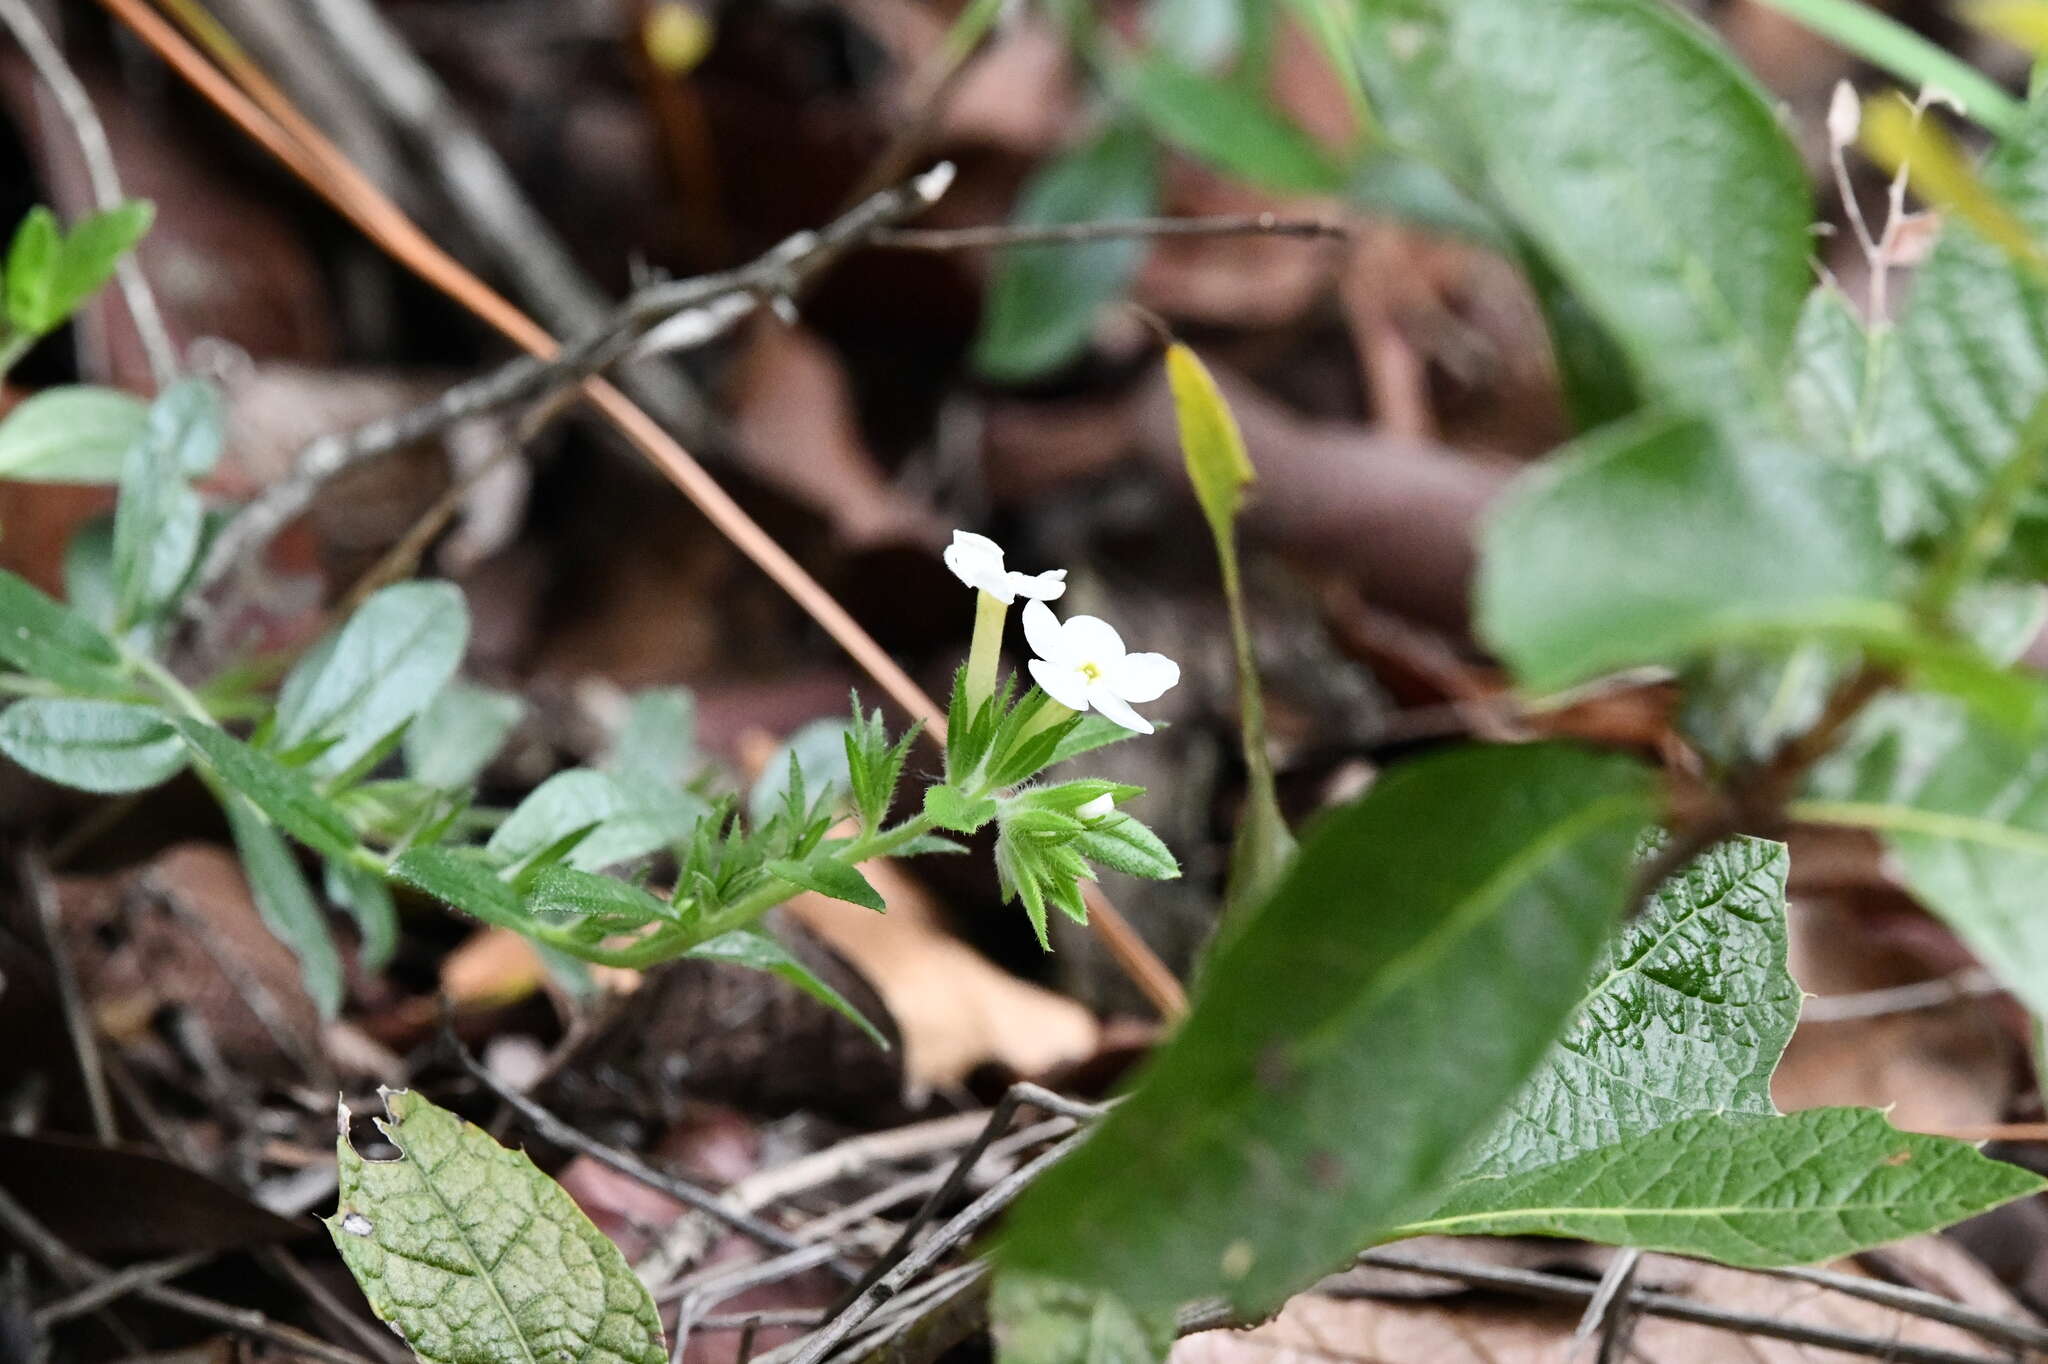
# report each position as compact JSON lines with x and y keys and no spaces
{"x":282,"y":793}
{"x":286,"y":903}
{"x":1375,"y":1016}
{"x":76,"y":433}
{"x":1043,"y":300}
{"x":1656,"y":540}
{"x":1654,"y":175}
{"x":829,"y":876}
{"x":760,"y":952}
{"x":355,"y":688}
{"x":104,"y":746}
{"x":1229,"y":125}
{"x":45,"y":639}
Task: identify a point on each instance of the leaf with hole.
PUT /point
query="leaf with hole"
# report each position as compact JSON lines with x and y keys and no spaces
{"x":476,"y":1257}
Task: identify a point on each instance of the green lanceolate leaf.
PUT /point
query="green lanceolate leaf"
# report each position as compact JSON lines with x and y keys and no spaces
{"x":1752,"y":1191}
{"x":1655,"y":540}
{"x":623,"y":824}
{"x":49,"y":273}
{"x":1334,"y":1067}
{"x":282,"y":793}
{"x":1043,"y":300}
{"x":367,"y":898}
{"x":760,"y":952}
{"x":1650,"y":1123}
{"x":564,"y":891}
{"x":457,"y":735}
{"x":287,"y":905}
{"x":78,"y":433}
{"x":46,"y":639}
{"x":1228,"y":125}
{"x":104,"y":746}
{"x":355,"y":688}
{"x":1121,"y":843}
{"x":475,"y":1257}
{"x":829,"y":876}
{"x":1653,"y":175}
{"x":1687,"y":1010}
{"x":32,"y":272}
{"x":158,"y":519}
{"x":466,"y":878}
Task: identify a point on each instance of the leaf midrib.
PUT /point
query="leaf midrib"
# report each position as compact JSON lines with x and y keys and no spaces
{"x":483,"y":1273}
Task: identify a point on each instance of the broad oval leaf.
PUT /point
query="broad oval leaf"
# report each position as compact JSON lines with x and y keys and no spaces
{"x":1751,"y":1191}
{"x":78,"y":433}
{"x":474,"y":1256}
{"x":1653,"y":175}
{"x":105,"y":746}
{"x":357,"y":686}
{"x":1042,"y":300}
{"x":458,"y":734}
{"x":1654,"y":540}
{"x":1365,"y":1024}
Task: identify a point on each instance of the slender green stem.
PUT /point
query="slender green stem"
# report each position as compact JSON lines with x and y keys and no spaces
{"x":1886,"y":43}
{"x":167,"y":682}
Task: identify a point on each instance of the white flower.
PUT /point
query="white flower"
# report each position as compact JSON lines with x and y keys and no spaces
{"x":1103,"y":804}
{"x":978,"y":561}
{"x":1083,"y":666}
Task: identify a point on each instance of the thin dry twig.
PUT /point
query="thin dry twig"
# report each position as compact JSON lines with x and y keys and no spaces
{"x":117,"y":1285}
{"x":1107,"y":229}
{"x":675,"y":1186}
{"x":76,"y":106}
{"x":68,"y":1264}
{"x":1972,"y":983}
{"x":34,"y":875}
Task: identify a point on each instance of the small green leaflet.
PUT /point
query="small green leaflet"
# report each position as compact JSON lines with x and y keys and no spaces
{"x":628,"y":824}
{"x":659,"y":741}
{"x":473,"y":1255}
{"x":358,"y":685}
{"x":76,"y":433}
{"x":828,"y":876}
{"x":104,"y":746}
{"x":45,"y":639}
{"x":466,"y":878}
{"x":1650,"y":1124}
{"x":458,"y":734}
{"x":287,"y":905}
{"x":367,"y":898}
{"x":49,"y":273}
{"x":158,"y":519}
{"x":1230,"y":126}
{"x":758,"y":951}
{"x":1374,"y":1017}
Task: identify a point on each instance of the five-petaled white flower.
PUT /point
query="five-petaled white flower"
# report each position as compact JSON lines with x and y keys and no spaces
{"x":1082,"y":665}
{"x":978,"y":561}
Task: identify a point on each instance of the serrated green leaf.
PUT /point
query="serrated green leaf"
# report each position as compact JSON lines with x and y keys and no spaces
{"x":1045,"y":1321}
{"x":46,"y":639}
{"x":1042,"y":300}
{"x":949,"y":808}
{"x":281,"y":793}
{"x":1762,"y":1192}
{"x":76,"y":433}
{"x":359,"y":685}
{"x":1653,"y":541}
{"x":1343,"y":1035}
{"x":624,"y":824}
{"x":158,"y":519}
{"x":32,"y":272}
{"x":286,"y":903}
{"x":1228,"y":125}
{"x":104,"y":746}
{"x":831,"y":877}
{"x":466,"y":878}
{"x":367,"y":898}
{"x":476,"y":1257}
{"x":460,"y":731}
{"x":1652,"y":173}
{"x":760,"y":952}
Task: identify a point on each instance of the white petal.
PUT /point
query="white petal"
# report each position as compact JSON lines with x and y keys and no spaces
{"x":1095,"y":809}
{"x":1116,"y":708}
{"x":1143,"y":677}
{"x":1063,"y":685}
{"x":1047,"y":586}
{"x":1042,"y":632}
{"x":1094,"y":640}
{"x":978,"y":561}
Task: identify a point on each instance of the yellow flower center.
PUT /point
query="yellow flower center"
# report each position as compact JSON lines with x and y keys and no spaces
{"x":1091,"y":672}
